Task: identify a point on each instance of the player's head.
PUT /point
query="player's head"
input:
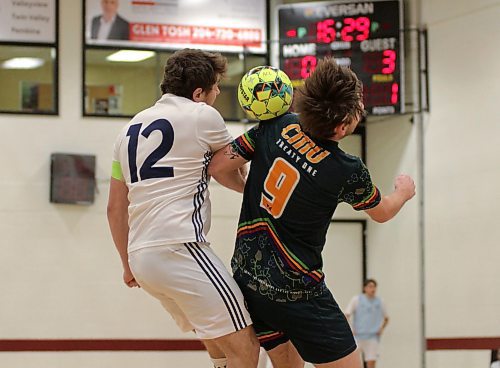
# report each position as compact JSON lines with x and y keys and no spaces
{"x":194,"y":74}
{"x":330,"y":100}
{"x":370,"y":287}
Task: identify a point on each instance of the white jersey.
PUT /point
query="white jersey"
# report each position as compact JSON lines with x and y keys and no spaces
{"x":164,"y":153}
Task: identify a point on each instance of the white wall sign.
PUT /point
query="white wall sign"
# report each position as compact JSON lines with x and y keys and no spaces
{"x":223,"y":25}
{"x":28,"y":21}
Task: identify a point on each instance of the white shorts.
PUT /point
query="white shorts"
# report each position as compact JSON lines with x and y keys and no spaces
{"x":194,"y":286}
{"x":369,"y":348}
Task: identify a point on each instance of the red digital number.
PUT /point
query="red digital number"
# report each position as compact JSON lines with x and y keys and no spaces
{"x":363,"y":26}
{"x":351,"y":25}
{"x":394,"y":93}
{"x":308,"y":64}
{"x":389,"y":60}
{"x":325,"y":31}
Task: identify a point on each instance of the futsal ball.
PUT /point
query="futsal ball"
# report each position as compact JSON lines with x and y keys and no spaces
{"x":265,"y":92}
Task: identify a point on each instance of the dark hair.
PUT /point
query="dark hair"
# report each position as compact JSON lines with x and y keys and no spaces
{"x":369,"y":281}
{"x":332,"y":95}
{"x":189,"y":69}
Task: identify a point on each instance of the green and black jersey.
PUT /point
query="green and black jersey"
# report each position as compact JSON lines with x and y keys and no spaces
{"x":293,"y":188}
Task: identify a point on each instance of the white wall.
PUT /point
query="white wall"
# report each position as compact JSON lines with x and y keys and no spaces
{"x":462,"y":164}
{"x":462,"y":170}
{"x":461,"y":167}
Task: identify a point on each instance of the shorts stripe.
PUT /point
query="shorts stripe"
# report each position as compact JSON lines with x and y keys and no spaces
{"x":236,"y":307}
{"x":267,"y":336}
{"x":220,"y":285}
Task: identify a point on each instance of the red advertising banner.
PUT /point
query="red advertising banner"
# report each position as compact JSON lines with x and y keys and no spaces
{"x":217,"y":25}
{"x":146,"y":32}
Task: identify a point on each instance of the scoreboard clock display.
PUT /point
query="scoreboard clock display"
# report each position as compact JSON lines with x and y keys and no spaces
{"x":362,"y":35}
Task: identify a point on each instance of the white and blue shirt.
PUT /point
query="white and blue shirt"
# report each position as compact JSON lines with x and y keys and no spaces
{"x":162,"y":155}
{"x":367,"y":315}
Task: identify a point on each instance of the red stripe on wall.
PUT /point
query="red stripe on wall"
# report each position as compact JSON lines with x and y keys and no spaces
{"x":99,"y":345}
{"x":11,"y":345}
{"x":464,"y":343}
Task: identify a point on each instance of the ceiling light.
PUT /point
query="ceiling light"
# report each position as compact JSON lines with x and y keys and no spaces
{"x":22,"y":63}
{"x":130,"y":56}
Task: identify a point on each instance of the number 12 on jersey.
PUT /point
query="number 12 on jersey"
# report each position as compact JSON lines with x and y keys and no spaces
{"x":148,"y":169}
{"x":278,"y":187}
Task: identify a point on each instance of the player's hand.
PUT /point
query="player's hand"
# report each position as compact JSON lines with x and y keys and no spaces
{"x":129,"y":279}
{"x":405,"y":185}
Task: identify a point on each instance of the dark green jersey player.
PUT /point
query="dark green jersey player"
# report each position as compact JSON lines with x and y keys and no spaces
{"x":297,"y":177}
{"x":292,"y":191}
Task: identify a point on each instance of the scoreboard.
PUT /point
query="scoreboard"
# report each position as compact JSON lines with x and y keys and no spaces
{"x":364,"y":35}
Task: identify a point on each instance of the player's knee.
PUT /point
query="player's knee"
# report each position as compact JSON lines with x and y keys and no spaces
{"x":244,"y":344}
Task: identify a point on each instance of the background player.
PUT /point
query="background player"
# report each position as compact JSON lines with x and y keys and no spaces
{"x":159,"y":208}
{"x":297,"y":177}
{"x":369,"y":319}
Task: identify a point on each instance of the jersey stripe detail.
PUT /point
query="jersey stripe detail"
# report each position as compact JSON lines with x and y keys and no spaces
{"x":220,"y":285}
{"x":370,"y":200}
{"x":116,"y":170}
{"x":199,"y":199}
{"x":262,"y":224}
{"x":248,"y":142}
{"x":244,"y":145}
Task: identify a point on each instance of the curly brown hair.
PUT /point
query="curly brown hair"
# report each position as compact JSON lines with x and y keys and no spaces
{"x":189,"y":69}
{"x":331,"y":96}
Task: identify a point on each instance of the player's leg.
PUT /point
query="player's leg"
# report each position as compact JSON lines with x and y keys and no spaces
{"x":285,"y":356}
{"x":241,"y":348}
{"x":353,"y":360}
{"x":370,"y":348}
{"x":194,"y":286}
{"x":217,"y":356}
{"x":318,"y":330}
{"x":230,"y":323}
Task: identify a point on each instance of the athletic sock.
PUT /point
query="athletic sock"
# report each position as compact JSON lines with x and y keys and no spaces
{"x":219,"y":363}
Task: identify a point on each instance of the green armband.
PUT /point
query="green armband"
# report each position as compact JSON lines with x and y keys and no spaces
{"x":116,"y":171}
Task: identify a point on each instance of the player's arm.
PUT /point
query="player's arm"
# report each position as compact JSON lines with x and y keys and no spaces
{"x":350,"y":310}
{"x":385,"y":320}
{"x":391,"y":204}
{"x":228,"y":164}
{"x":382,"y":327}
{"x":227,"y":167}
{"x":117,"y":212}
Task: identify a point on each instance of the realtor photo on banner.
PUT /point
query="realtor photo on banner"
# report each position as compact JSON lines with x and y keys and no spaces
{"x":172,"y":24}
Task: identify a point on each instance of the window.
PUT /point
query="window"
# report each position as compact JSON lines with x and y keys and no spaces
{"x":114,"y":88}
{"x":28,"y":76}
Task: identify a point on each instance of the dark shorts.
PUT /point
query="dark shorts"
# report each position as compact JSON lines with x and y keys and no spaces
{"x":317,"y":327}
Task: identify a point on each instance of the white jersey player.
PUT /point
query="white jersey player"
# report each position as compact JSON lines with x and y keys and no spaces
{"x":159,"y":208}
